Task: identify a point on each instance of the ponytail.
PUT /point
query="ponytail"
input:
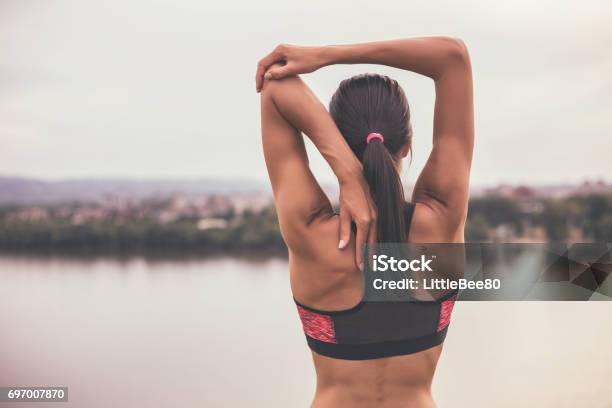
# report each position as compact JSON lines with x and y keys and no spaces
{"x":376,"y":103}
{"x":386,"y":189}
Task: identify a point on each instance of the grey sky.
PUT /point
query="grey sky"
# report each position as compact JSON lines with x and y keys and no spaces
{"x":145,"y":88}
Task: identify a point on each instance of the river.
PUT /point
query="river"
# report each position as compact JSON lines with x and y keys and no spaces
{"x":223,"y":332}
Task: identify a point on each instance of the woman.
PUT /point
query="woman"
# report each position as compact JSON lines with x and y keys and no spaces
{"x":366,"y":354}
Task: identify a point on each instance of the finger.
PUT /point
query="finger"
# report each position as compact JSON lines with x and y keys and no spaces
{"x":345,"y":229}
{"x":259,"y":76}
{"x":263,"y":66}
{"x":372,"y":232}
{"x":363,"y":229}
{"x":278,"y":72}
{"x":372,"y":236}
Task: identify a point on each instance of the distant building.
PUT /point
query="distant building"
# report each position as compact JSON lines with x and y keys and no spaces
{"x":85,"y":214}
{"x":28,"y":214}
{"x":250,"y":202}
{"x":502,"y":233}
{"x":550,"y":191}
{"x":598,"y":187}
{"x":212,"y":223}
{"x":166,"y":216}
{"x":532,"y":234}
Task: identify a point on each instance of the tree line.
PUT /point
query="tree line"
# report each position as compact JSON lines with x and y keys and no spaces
{"x":259,"y":231}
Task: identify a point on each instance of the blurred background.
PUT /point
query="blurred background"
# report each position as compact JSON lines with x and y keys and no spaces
{"x":137,"y":230}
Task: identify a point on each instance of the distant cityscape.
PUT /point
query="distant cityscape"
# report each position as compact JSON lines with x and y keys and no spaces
{"x":520,"y":213}
{"x":158,"y":216}
{"x":207,"y":212}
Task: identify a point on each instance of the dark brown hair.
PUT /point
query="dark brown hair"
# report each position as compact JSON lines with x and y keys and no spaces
{"x":372,"y":103}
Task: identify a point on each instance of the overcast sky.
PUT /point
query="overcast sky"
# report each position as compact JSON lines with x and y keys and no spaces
{"x":145,"y":89}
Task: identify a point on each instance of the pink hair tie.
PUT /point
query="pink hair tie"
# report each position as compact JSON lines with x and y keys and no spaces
{"x":375,"y":136}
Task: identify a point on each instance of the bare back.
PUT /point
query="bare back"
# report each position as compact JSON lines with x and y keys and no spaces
{"x":332,"y":282}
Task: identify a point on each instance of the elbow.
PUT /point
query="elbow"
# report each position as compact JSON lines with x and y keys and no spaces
{"x":457,"y":51}
{"x":278,"y":78}
{"x":272,"y":87}
{"x":268,"y":87}
{"x":454,"y":57}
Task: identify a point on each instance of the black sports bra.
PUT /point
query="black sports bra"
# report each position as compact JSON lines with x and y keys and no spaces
{"x":372,"y":330}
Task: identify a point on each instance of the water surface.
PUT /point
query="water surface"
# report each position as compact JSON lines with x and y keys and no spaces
{"x":224,"y":333}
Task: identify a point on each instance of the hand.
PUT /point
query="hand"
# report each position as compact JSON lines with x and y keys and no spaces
{"x":295,"y":60}
{"x":357,"y":205}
